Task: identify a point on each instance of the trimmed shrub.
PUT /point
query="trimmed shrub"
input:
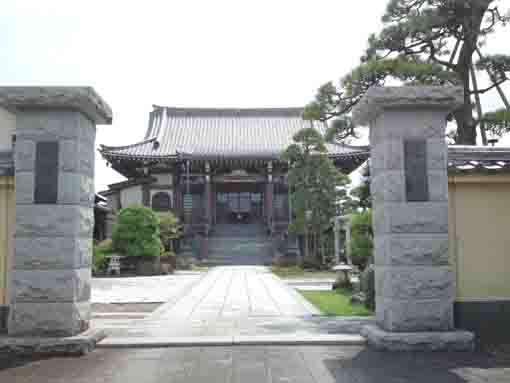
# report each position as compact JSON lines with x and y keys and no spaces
{"x":169,"y":229}
{"x":361,"y":238}
{"x":99,"y":255}
{"x":105,"y":246}
{"x":137,"y":232}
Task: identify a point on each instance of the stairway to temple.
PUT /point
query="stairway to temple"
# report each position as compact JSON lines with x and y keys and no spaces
{"x":239,"y":244}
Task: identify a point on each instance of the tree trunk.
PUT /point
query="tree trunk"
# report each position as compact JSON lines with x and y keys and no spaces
{"x":466,"y":129}
{"x":466,"y":124}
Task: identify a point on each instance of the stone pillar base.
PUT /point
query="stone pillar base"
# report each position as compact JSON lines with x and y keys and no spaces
{"x":40,"y":346}
{"x":418,"y":341}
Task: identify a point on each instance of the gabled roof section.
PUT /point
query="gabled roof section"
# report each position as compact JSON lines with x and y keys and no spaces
{"x":222,"y":133}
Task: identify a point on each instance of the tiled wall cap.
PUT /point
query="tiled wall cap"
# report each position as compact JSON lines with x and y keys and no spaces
{"x":81,"y":98}
{"x":378,"y":98}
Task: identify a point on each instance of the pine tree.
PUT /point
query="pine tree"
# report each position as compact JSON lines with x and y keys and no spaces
{"x":361,"y":193}
{"x":434,"y":42}
{"x":316,"y":187}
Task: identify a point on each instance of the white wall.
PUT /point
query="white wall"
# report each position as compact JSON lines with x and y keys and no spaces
{"x":131,"y":196}
{"x":163,"y":179}
{"x":7,"y":129}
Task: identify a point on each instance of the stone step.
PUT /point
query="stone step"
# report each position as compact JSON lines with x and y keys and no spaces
{"x":238,"y":230}
{"x":306,"y":339}
{"x":230,"y":240}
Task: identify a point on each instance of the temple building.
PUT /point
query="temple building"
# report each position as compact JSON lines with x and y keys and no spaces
{"x":219,"y":170}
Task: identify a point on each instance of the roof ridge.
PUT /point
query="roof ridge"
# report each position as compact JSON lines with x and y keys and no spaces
{"x":232,"y":111}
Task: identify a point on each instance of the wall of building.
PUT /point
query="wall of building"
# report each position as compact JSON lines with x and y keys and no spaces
{"x":131,"y":196}
{"x":7,"y":218}
{"x":163,"y":179}
{"x":7,"y":129}
{"x":479,"y":247}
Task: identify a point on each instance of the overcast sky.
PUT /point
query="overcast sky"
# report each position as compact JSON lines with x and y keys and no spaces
{"x":207,"y":53}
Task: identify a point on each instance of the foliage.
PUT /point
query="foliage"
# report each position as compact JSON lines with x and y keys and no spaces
{"x":137,"y":232}
{"x":99,"y":254}
{"x":361,"y":238}
{"x":368,"y":286}
{"x":361,"y":194}
{"x":169,"y":228}
{"x":316,"y":187}
{"x":105,"y":246}
{"x":335,"y":302}
{"x":498,"y":122}
{"x":431,"y":42}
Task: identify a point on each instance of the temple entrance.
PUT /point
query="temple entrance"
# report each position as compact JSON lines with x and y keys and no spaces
{"x":239,"y":207}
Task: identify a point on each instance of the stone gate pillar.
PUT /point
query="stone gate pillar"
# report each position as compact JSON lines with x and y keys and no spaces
{"x":54,"y":175}
{"x":409,"y":185}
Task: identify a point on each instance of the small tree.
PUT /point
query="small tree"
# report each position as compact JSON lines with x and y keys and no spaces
{"x":316,"y":187}
{"x":361,"y":238}
{"x":361,"y":193}
{"x":169,"y":228}
{"x":137,"y":232}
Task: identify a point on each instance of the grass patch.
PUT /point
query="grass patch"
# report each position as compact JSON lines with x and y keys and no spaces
{"x":298,"y":272}
{"x":335,"y":302}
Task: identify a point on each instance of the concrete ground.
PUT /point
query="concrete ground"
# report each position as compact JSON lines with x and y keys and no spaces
{"x":346,"y":364}
{"x":229,"y":305}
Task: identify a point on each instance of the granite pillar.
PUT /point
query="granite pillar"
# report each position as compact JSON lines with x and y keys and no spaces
{"x":54,"y":175}
{"x":409,"y":185}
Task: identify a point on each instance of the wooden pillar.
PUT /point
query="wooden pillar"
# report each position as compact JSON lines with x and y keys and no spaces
{"x":207,"y":194}
{"x":269,"y":195}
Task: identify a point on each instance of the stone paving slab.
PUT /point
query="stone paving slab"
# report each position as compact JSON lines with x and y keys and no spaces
{"x":142,"y":289}
{"x":260,"y":364}
{"x":237,"y":292}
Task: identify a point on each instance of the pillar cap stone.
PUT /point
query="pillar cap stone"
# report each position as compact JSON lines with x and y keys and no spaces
{"x":81,"y":98}
{"x":376,"y":99}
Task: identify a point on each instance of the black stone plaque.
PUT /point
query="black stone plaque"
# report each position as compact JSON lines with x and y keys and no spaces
{"x":415,"y":162}
{"x":46,"y":173}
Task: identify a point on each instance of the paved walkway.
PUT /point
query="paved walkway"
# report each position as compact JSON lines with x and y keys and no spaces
{"x":234,"y":292}
{"x":142,"y":289}
{"x":351,"y":364}
{"x":233,"y":305}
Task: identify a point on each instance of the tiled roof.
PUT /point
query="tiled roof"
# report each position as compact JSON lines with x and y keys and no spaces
{"x":478,"y":158}
{"x":6,"y":163}
{"x":222,"y":133}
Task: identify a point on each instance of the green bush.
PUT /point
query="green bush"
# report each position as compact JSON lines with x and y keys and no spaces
{"x":169,"y":228}
{"x":99,"y":256}
{"x":105,"y":246}
{"x":361,"y":238}
{"x":137,"y":232}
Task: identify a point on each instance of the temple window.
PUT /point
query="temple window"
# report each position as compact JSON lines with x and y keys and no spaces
{"x":161,"y":201}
